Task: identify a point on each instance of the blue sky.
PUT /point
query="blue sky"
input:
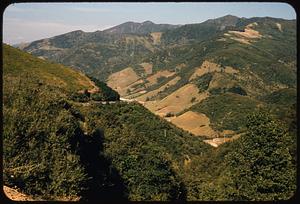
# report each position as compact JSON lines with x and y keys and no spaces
{"x":25,"y":22}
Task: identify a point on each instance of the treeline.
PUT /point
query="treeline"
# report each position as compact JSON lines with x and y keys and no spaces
{"x":105,"y":93}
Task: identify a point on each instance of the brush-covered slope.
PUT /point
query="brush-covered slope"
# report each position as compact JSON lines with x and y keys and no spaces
{"x":102,"y":52}
{"x":232,"y":58}
{"x":55,"y":148}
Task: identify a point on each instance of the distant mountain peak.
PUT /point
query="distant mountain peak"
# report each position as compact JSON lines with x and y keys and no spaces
{"x":145,"y":27}
{"x":147,"y":23}
{"x":229,"y":16}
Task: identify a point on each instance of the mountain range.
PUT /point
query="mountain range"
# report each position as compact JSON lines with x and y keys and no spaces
{"x":177,"y":70}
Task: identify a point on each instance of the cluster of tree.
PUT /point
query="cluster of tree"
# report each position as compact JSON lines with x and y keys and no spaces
{"x":203,"y":81}
{"x":105,"y":93}
{"x":235,"y":89}
{"x":258,"y":166}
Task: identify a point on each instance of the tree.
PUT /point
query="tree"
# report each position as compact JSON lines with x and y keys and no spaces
{"x":261,"y":167}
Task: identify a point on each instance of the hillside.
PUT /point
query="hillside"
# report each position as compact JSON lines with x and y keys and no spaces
{"x":67,"y":136}
{"x":18,"y":64}
{"x":85,"y":150}
{"x":139,"y":28}
{"x":251,"y":58}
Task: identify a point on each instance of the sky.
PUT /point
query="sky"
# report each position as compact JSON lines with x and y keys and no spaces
{"x":26,"y":22}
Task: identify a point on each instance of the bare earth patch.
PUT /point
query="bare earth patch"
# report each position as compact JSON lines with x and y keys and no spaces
{"x":248,"y":33}
{"x":196,"y":123}
{"x":279,"y":27}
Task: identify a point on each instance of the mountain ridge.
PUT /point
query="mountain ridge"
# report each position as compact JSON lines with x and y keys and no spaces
{"x":213,"y":59}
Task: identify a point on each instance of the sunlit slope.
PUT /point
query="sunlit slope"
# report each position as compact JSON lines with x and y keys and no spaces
{"x":17,"y":63}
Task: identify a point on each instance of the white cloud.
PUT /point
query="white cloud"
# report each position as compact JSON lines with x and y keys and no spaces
{"x":17,"y":30}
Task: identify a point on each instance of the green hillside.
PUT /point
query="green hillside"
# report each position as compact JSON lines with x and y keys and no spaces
{"x":18,"y":64}
{"x":72,"y":151}
{"x":233,"y":75}
{"x":252,"y":57}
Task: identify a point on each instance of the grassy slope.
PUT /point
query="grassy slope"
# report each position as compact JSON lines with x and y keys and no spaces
{"x":20,"y":64}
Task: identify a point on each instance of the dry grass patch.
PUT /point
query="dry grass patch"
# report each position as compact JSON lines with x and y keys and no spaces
{"x":196,"y":123}
{"x":230,"y":70}
{"x":246,"y":36}
{"x":209,"y":67}
{"x":178,"y":101}
{"x":120,"y":81}
{"x":147,"y":67}
{"x":156,"y":37}
{"x":206,"y":67}
{"x":219,"y":80}
{"x":153,"y":78}
{"x":160,"y":89}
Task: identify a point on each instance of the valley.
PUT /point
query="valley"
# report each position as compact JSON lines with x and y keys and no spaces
{"x":158,"y":71}
{"x":154,"y":112}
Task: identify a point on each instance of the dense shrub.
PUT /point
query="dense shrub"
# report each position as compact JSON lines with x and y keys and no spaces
{"x":38,"y":156}
{"x":106,"y":93}
{"x":261,"y":168}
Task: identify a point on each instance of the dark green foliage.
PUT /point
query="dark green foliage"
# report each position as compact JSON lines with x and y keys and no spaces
{"x":261,"y":167}
{"x":80,"y":97}
{"x":37,"y":153}
{"x":281,"y":97}
{"x":161,"y":79}
{"x":106,"y":93}
{"x":43,"y":140}
{"x":227,"y":111}
{"x":144,"y":149}
{"x":238,"y":90}
{"x":235,"y":89}
{"x":199,"y":31}
{"x":203,"y":81}
{"x":169,"y":115}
